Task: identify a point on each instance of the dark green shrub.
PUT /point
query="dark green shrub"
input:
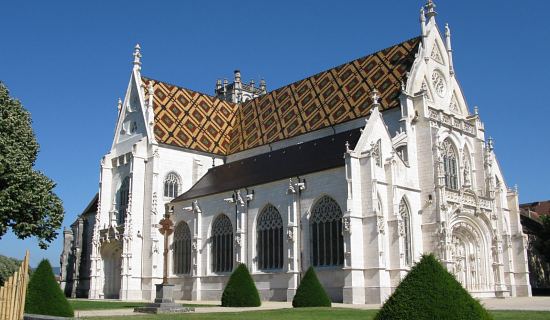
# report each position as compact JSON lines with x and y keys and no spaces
{"x":429,"y":291}
{"x":44,"y":296}
{"x":240,"y":290}
{"x":310,"y":293}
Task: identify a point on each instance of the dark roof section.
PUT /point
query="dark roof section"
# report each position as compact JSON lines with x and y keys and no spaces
{"x":312,"y":156}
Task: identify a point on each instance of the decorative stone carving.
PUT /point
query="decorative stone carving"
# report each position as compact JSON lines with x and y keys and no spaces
{"x":346,"y":224}
{"x":290,"y":234}
{"x":380,"y":223}
{"x":439,"y":84}
{"x":376,"y":152}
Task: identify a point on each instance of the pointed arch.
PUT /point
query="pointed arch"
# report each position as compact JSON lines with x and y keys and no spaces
{"x":122,"y":201}
{"x":406,"y":230}
{"x":327,"y":242}
{"x":221,"y":239}
{"x":172,"y":185}
{"x":182,"y":249}
{"x":269,"y":244}
{"x":450,"y":163}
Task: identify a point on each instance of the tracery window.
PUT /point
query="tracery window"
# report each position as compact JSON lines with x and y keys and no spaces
{"x":327,"y":242}
{"x":405,"y":214}
{"x":182,"y":249}
{"x":270,"y":239}
{"x":450,"y":165}
{"x":171,"y":185}
{"x":123,"y":196}
{"x":222,"y":244}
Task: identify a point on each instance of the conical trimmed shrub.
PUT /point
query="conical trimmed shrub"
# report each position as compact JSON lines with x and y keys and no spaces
{"x":310,"y":293}
{"x":240,"y":290}
{"x":44,"y":296}
{"x":429,"y":291}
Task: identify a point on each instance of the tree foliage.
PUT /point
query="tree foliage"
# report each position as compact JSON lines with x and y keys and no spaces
{"x":44,"y":296}
{"x":429,"y":291}
{"x":310,"y":293}
{"x":8,"y":266}
{"x":240,"y":290}
{"x":542,"y":239}
{"x":28,"y":204}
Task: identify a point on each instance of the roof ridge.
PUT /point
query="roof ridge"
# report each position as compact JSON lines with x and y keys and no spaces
{"x":184,"y":88}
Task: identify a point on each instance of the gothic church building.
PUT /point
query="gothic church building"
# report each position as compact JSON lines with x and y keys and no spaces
{"x":356,"y":171}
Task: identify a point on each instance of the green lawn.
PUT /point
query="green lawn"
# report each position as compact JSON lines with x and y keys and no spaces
{"x":102,"y":305}
{"x":317,"y":314}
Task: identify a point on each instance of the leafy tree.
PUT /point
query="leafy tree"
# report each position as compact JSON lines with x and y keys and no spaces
{"x":8,"y":266}
{"x":429,"y":291}
{"x":310,"y":293}
{"x":28,"y":204}
{"x":240,"y":290}
{"x":542,"y":239}
{"x":44,"y":296}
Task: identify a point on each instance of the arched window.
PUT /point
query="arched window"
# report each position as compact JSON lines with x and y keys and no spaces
{"x":171,"y":185}
{"x":182,"y":249}
{"x":405,"y":231}
{"x":270,"y":239}
{"x":222,"y":244}
{"x":450,"y":165}
{"x":123,"y":195}
{"x":403,"y":153}
{"x":327,"y":242}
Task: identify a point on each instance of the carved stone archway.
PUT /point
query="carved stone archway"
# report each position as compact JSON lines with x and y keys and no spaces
{"x":471,"y":257}
{"x":112,"y":261}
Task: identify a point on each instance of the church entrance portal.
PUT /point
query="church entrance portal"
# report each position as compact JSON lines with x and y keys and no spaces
{"x":111,"y":254}
{"x":470,"y":258}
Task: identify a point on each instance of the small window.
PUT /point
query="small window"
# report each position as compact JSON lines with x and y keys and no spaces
{"x":171,"y":185}
{"x":403,"y":153}
{"x":450,"y":165}
{"x":123,"y":197}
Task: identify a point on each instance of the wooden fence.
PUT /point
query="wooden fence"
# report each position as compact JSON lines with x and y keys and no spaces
{"x":12,"y":294}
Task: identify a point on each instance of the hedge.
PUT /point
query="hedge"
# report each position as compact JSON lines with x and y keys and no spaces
{"x":240,"y":290}
{"x":44,"y":296}
{"x":429,"y":291}
{"x":310,"y":293}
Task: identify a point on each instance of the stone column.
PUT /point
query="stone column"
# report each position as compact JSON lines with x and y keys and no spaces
{"x":292,"y":235}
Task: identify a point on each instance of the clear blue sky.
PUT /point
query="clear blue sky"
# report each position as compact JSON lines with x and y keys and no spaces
{"x":69,"y":61}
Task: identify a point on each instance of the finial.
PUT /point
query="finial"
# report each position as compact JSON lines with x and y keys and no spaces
{"x":375,"y":98}
{"x":516,"y":189}
{"x":476,"y":110}
{"x":490,"y":144}
{"x":119,"y":105}
{"x":218,"y":84}
{"x":449,"y":48}
{"x":422,"y":15}
{"x":347,"y":147}
{"x":237,"y":76}
{"x":252,"y":83}
{"x":402,"y":85}
{"x":430,"y":9}
{"x":262,"y":85}
{"x":137,"y":57}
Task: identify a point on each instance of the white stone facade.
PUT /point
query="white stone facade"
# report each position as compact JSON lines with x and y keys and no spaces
{"x":393,"y":192}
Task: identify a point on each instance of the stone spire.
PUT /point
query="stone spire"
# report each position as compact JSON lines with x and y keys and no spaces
{"x":430,"y":10}
{"x":375,"y":99}
{"x":449,"y":48}
{"x":137,"y":58}
{"x":423,"y":24}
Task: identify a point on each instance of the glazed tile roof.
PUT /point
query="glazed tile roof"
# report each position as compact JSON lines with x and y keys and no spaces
{"x":189,"y":119}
